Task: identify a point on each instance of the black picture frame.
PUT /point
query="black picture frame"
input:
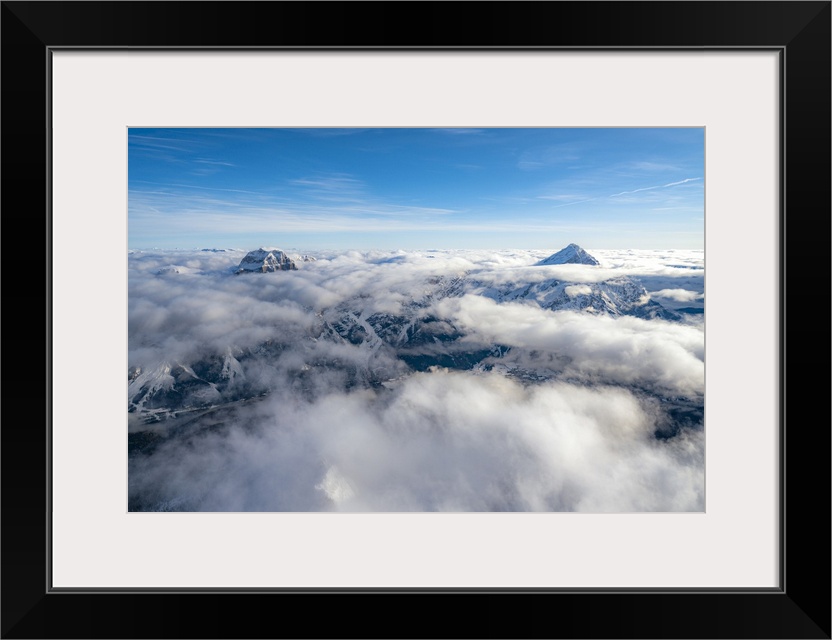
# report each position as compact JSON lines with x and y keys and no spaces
{"x":799,"y":608}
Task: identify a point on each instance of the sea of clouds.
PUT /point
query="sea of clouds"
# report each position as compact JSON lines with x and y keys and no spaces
{"x":436,"y":440}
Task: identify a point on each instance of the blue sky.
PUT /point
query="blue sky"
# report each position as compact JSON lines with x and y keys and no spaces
{"x":522,"y":188}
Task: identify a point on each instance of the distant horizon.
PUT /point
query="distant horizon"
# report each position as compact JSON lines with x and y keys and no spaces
{"x":404,"y":189}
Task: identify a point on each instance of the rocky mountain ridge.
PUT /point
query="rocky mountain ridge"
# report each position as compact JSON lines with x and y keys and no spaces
{"x":266,"y":260}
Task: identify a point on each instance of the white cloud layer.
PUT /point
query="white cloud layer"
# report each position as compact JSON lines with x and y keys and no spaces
{"x":679,"y":295}
{"x":439,"y":441}
{"x":566,"y":419}
{"x":621,"y":350}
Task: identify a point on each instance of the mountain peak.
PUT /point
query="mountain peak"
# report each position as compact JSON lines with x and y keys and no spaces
{"x":571,"y":254}
{"x":266,"y":260}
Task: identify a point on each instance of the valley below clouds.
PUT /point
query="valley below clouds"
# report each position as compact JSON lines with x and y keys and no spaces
{"x":389,"y":381}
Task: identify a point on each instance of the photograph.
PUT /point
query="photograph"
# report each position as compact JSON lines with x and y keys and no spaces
{"x":416,"y":319}
{"x":412,"y":304}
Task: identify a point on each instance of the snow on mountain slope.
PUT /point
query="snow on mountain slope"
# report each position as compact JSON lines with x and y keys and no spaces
{"x":571,"y":254}
{"x":615,"y":296}
{"x":168,"y":386}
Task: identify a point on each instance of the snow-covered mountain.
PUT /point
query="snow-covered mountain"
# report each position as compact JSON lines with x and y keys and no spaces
{"x":378,"y":333}
{"x":620,"y":296}
{"x":420,"y":338}
{"x":266,"y":260}
{"x":571,"y":254}
{"x":168,"y":386}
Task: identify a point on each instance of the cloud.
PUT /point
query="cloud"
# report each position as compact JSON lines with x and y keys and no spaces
{"x":167,"y":143}
{"x":340,"y":183}
{"x":660,"y":186}
{"x":679,"y":295}
{"x":320,"y":204}
{"x":567,"y":204}
{"x":214,"y":162}
{"x":625,"y":350}
{"x":578,"y":290}
{"x":564,"y":420}
{"x":569,"y":197}
{"x":573,"y":199}
{"x":139,"y":194}
{"x":439,"y":441}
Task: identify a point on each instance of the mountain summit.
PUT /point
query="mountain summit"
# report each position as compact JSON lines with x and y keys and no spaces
{"x":266,"y":260}
{"x":571,"y":254}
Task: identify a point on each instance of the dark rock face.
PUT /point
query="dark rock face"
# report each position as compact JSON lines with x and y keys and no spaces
{"x":266,"y":260}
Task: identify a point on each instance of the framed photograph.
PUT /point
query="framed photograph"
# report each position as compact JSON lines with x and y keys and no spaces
{"x":422,"y":290}
{"x":531,"y":265}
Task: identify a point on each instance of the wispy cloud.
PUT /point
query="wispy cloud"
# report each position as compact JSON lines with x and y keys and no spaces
{"x":160,"y":143}
{"x":569,"y":204}
{"x":473,"y":178}
{"x":331,"y":183}
{"x":659,"y":186}
{"x":214,"y":162}
{"x":325,"y":208}
{"x":561,"y":197}
{"x":679,"y":295}
{"x":177,"y":185}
